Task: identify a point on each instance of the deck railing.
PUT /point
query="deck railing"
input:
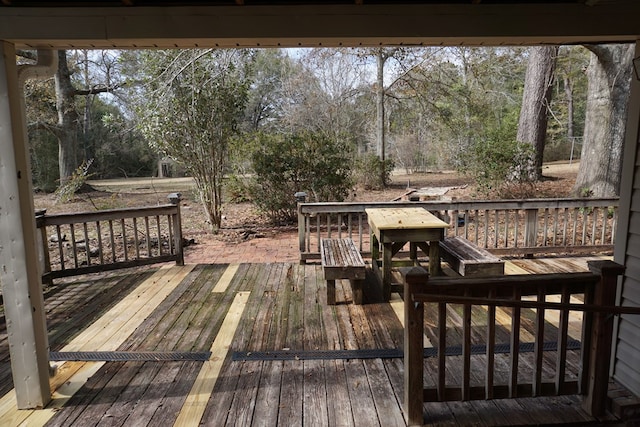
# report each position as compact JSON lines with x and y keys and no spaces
{"x":90,"y":242}
{"x":506,"y":227}
{"x":473,"y":313}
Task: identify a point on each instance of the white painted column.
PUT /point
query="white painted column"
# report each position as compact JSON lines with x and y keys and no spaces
{"x":19,"y":268}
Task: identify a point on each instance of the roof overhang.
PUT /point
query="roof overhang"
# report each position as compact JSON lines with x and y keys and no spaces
{"x":312,"y":25}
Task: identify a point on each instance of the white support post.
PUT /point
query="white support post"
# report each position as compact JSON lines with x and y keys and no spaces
{"x":19,"y":268}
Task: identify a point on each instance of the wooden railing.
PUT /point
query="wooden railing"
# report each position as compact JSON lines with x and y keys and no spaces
{"x":472,"y":312}
{"x":90,"y":242}
{"x":507,"y":227}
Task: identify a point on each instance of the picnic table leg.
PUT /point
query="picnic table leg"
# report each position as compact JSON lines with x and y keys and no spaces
{"x":387,"y":255}
{"x":434,"y":258}
{"x":331,"y":292}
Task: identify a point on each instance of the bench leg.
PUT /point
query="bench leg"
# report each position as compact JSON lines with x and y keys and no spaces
{"x":356,"y":290}
{"x":331,"y":292}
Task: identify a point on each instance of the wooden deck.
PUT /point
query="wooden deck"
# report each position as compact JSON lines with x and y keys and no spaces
{"x":254,"y":308}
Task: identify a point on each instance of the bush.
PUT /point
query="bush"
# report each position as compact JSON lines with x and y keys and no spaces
{"x":367,"y":172}
{"x":284,"y":164}
{"x":503,"y":169}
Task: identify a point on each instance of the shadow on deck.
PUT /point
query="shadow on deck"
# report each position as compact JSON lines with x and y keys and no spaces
{"x":236,"y":316}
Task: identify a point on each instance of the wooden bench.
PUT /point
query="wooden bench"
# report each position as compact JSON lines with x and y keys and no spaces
{"x":341,"y":259}
{"x":467,"y":259}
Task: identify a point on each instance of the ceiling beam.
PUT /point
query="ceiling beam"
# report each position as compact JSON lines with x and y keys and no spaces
{"x":319,"y":25}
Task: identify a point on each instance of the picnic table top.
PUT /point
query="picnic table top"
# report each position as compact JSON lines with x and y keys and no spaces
{"x":403,"y":218}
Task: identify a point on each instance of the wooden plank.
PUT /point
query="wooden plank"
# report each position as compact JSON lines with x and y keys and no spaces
{"x":217,"y":410}
{"x":314,"y":394}
{"x":224,"y":281}
{"x":201,"y":390}
{"x":290,"y":410}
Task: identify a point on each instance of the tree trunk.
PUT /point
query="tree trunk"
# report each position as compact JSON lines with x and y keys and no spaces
{"x":67,"y":120}
{"x":380,"y":141}
{"x":532,"y":125}
{"x":609,"y":82}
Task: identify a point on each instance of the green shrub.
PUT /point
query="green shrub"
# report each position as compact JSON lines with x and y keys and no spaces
{"x":284,"y":164}
{"x":369,"y":173}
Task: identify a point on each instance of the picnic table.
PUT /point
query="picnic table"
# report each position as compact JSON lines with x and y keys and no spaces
{"x":393,"y":228}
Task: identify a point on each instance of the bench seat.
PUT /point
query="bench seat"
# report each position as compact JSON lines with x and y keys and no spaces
{"x":341,"y":259}
{"x":467,"y":259}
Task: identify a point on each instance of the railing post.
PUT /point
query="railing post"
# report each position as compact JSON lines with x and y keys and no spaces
{"x":301,"y":197}
{"x":594,"y":402}
{"x":413,"y":277}
{"x":530,"y":229}
{"x":174,"y":199}
{"x":43,"y":246}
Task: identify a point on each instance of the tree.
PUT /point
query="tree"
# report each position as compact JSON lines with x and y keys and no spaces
{"x":190,"y":109}
{"x":609,"y":74}
{"x":536,"y":98}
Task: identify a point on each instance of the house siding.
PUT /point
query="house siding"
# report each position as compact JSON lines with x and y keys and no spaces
{"x":626,"y":345}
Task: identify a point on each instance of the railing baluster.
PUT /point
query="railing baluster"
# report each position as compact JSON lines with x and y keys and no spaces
{"x":561,"y":353}
{"x":456,"y":220}
{"x":585,"y":219}
{"x":605,"y":220}
{"x":169,"y":226}
{"x":565,"y":216}
{"x":159,"y":235}
{"x":318,"y":231}
{"x":514,"y":343}
{"x":86,"y":243}
{"x":100,"y":246}
{"x":113,"y":242}
{"x":361,"y":231}
{"x":125,"y":249}
{"x":555,"y":226}
{"x":593,"y":226}
{"x":135,"y":237}
{"x":614,"y":224}
{"x":491,"y":345}
{"x":575,"y":225}
{"x":495,"y":228}
{"x":476,"y":224}
{"x":147,"y":235}
{"x":442,"y":346}
{"x":73,"y":245}
{"x":506,"y":228}
{"x":486,"y":229}
{"x":545,"y":213}
{"x":516,"y":225}
{"x":60,"y":248}
{"x":466,"y":351}
{"x":329,"y":225}
{"x":538,"y":353}
{"x":466,"y":223}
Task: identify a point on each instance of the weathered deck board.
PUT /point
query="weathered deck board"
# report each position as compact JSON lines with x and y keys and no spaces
{"x":286,"y":309}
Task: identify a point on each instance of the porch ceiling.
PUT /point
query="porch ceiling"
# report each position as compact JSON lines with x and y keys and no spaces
{"x":311,"y":23}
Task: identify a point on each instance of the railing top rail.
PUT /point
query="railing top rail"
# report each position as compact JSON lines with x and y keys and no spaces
{"x":110,"y":214}
{"x":526,"y":284}
{"x":338,"y":207}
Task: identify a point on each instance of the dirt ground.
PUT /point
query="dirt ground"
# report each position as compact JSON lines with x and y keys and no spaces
{"x":242,"y":222}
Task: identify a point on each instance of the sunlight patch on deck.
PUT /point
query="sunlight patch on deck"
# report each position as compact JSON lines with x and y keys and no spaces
{"x":105,"y":334}
{"x":397,"y":304}
{"x":225,"y":279}
{"x":196,"y":402}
